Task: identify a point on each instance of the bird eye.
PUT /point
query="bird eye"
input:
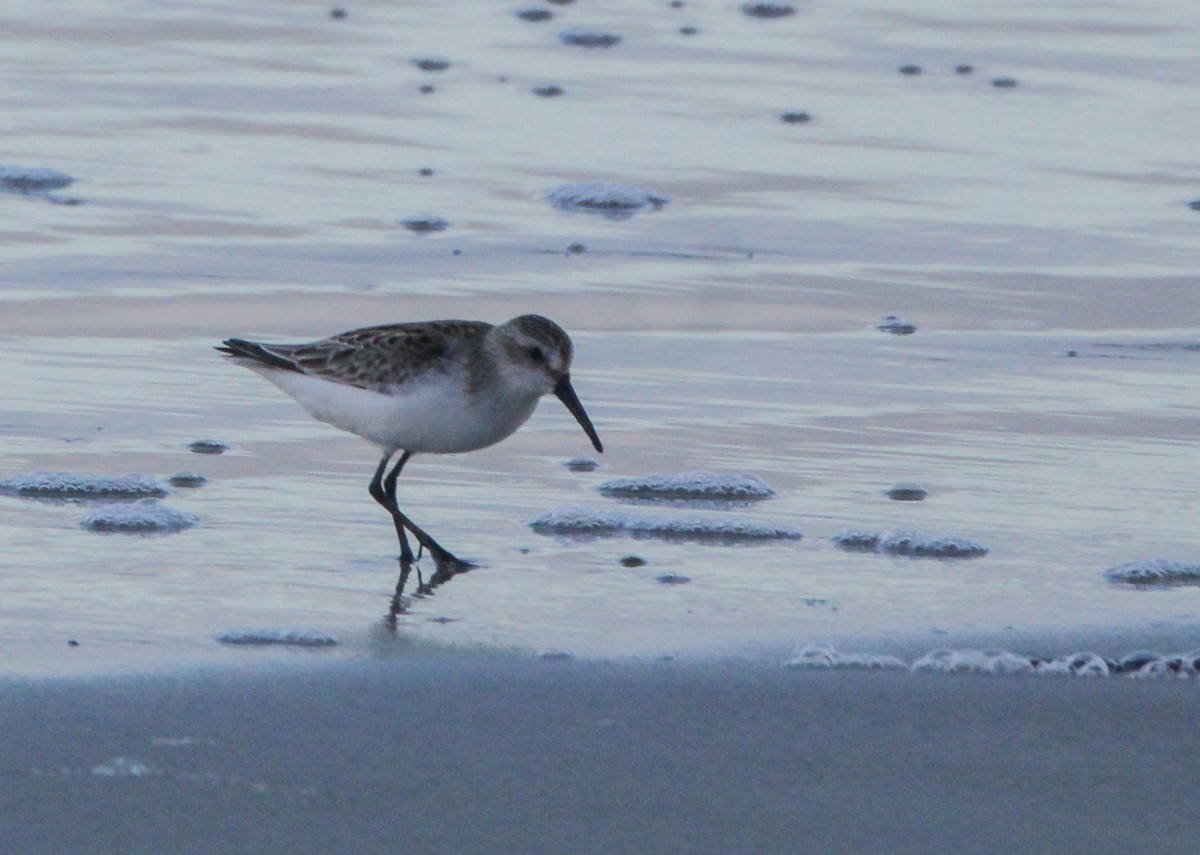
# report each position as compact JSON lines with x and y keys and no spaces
{"x":536,"y":354}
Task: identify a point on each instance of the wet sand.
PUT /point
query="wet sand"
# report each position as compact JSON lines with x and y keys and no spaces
{"x":485,"y":753}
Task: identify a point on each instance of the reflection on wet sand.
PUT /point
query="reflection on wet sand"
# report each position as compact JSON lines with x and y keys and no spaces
{"x":400,"y":604}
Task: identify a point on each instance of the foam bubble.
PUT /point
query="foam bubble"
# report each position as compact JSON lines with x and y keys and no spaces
{"x":75,"y":485}
{"x":909,"y":544}
{"x":615,"y":201}
{"x":825,"y":656}
{"x":1154,"y":571}
{"x":32,"y":180}
{"x":424,"y":224}
{"x":584,"y":523}
{"x":689,"y":486}
{"x":951,"y":661}
{"x":857,"y":540}
{"x":556,"y":655}
{"x":907,"y":493}
{"x":290,"y":637}
{"x":187,"y":478}
{"x":582,"y":37}
{"x":768,"y":10}
{"x":124,"y":767}
{"x":1083,"y":664}
{"x":431,"y":63}
{"x":896,"y":326}
{"x":1140,"y":664}
{"x":145,"y":516}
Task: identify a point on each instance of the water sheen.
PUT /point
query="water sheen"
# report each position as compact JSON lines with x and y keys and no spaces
{"x":245,"y":170}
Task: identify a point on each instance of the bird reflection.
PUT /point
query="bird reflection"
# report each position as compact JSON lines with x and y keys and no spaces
{"x":400,"y":604}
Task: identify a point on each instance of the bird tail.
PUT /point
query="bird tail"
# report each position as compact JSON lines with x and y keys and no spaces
{"x":255,"y":352}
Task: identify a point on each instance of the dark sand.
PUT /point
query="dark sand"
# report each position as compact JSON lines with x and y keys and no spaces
{"x":485,"y":753}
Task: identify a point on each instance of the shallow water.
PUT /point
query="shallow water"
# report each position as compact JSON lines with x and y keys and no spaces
{"x":245,"y":171}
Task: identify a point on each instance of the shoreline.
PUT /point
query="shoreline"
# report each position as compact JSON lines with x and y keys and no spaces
{"x":116,"y":658}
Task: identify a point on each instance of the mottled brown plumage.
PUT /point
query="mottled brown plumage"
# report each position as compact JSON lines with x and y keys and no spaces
{"x":384,"y":357}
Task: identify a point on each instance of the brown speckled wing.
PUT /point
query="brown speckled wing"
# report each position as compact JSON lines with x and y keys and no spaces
{"x":383,"y":357}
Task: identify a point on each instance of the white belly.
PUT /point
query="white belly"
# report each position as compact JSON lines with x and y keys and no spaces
{"x":432,"y":417}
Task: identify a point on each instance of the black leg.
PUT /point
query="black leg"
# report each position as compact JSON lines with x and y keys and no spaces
{"x":380,"y":494}
{"x":440,"y":554}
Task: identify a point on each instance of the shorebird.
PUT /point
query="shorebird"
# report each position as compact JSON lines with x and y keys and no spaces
{"x":432,"y":387}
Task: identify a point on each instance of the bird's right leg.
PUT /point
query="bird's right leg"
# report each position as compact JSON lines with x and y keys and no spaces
{"x":443,"y":557}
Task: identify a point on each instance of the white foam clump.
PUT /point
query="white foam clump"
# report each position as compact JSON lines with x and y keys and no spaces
{"x":32,"y":180}
{"x":601,"y":197}
{"x":1154,"y":571}
{"x":1138,"y":665}
{"x":689,"y":485}
{"x":825,"y":656}
{"x":1084,"y":664}
{"x":74,"y":485}
{"x":1173,"y":665}
{"x":951,"y":661}
{"x":145,"y":516}
{"x":124,"y":767}
{"x":920,"y":545}
{"x":291,"y":637}
{"x":911,"y":544}
{"x":1006,"y":662}
{"x":584,"y":522}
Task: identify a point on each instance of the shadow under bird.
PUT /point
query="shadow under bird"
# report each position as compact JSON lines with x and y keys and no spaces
{"x":433,"y":387}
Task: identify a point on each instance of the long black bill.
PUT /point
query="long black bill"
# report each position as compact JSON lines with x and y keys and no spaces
{"x":566,"y":394}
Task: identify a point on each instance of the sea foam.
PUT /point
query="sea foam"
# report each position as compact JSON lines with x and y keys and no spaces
{"x":32,"y":180}
{"x":615,"y":201}
{"x":586,"y":523}
{"x":145,"y":516}
{"x":288,"y":637}
{"x":1154,"y":571}
{"x":910,"y":544}
{"x":75,"y":485}
{"x":689,"y":486}
{"x":1141,"y":664}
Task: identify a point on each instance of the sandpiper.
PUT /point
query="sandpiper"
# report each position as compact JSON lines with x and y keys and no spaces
{"x":433,"y":387}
